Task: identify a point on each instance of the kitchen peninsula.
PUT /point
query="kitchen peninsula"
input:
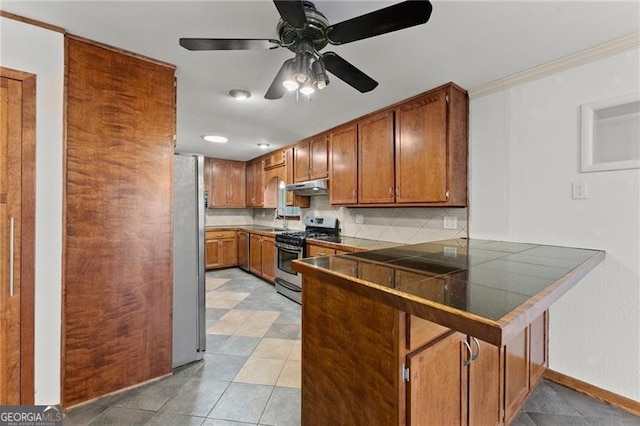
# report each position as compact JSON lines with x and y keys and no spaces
{"x":447,"y":332}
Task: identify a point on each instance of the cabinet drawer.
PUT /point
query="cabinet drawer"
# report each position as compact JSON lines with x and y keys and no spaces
{"x":420,"y":332}
{"x":217,"y":235}
{"x":316,"y":251}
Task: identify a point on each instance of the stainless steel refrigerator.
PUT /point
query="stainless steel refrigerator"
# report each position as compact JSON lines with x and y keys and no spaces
{"x":189,"y":209}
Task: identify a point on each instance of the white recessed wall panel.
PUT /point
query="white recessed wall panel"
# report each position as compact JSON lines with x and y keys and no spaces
{"x":524,"y":156}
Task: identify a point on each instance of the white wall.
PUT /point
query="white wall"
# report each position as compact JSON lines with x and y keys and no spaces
{"x":36,"y":50}
{"x":524,"y":156}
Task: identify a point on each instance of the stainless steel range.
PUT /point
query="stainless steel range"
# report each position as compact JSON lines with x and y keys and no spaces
{"x":291,"y":246}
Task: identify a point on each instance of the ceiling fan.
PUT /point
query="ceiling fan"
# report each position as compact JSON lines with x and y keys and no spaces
{"x":305,"y":31}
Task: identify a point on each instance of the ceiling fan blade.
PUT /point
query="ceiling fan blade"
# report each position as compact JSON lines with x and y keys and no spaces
{"x":346,"y":72}
{"x":292,"y":12}
{"x":228,"y":43}
{"x":393,"y":18}
{"x":277,"y":90}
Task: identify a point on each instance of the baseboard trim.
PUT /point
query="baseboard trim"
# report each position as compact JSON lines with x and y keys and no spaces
{"x":603,"y":395}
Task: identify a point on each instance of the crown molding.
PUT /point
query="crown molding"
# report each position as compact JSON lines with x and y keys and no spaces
{"x":593,"y":54}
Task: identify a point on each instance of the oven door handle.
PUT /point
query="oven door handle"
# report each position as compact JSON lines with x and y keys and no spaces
{"x":288,"y":286}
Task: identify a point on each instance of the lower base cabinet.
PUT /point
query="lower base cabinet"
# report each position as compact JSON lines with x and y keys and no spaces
{"x":392,"y":368}
{"x":262,"y":257}
{"x":460,"y":380}
{"x":221,"y":249}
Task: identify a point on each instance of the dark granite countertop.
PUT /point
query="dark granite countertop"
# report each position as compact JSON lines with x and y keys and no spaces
{"x":487,"y":287}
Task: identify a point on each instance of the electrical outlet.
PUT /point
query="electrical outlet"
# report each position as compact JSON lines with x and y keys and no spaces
{"x":579,"y":190}
{"x":359,"y":219}
{"x":263,"y":214}
{"x":450,"y":251}
{"x":450,"y":222}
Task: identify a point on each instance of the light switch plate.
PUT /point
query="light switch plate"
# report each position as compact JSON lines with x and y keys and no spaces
{"x":450,"y":222}
{"x":359,"y":219}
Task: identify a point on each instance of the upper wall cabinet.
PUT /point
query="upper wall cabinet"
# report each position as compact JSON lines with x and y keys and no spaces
{"x":275,"y":159}
{"x":343,"y":186}
{"x":411,"y":154}
{"x":255,"y":183}
{"x":376,"y":182}
{"x":311,"y":158}
{"x":225,"y":183}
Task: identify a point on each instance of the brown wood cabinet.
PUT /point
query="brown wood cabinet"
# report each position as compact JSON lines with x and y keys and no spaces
{"x":376,"y":184}
{"x":274,"y":159}
{"x":292,"y":198}
{"x":311,"y":158}
{"x":255,"y":183}
{"x":421,"y":150}
{"x":262,"y":257}
{"x":526,"y":359}
{"x":117,"y":284}
{"x":410,"y":371}
{"x":221,"y":249}
{"x":412,"y":154}
{"x":343,"y":186}
{"x":317,"y":251}
{"x":225,"y":183}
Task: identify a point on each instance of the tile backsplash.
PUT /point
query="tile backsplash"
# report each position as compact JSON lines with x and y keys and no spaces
{"x":406,"y":225}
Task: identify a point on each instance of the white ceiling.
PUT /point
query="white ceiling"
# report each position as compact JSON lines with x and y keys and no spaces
{"x":469,"y":42}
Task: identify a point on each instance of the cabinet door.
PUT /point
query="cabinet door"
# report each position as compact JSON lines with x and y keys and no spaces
{"x":437,"y":387}
{"x":538,"y":349}
{"x":229,"y":252}
{"x":268,"y":259}
{"x":219,"y":183}
{"x":212,"y":253}
{"x":376,"y":159}
{"x":484,"y":384}
{"x":301,"y":162}
{"x":319,"y":162}
{"x":516,"y":373}
{"x":421,"y":150}
{"x":255,"y":183}
{"x":255,"y":254}
{"x":237,"y":185}
{"x":344,"y":166}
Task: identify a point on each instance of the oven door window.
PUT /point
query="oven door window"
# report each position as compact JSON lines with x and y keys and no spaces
{"x":285,"y":257}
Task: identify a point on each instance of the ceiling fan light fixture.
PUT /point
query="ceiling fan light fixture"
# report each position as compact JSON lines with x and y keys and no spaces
{"x":239,"y":94}
{"x":290,"y":85}
{"x":301,"y":67}
{"x":320,"y":77}
{"x":307,"y":89}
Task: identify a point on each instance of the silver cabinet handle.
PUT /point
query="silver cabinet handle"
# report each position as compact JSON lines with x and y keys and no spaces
{"x":391,"y":190}
{"x":474,"y":357}
{"x":12,"y":227}
{"x":470,"y":357}
{"x":397,"y":191}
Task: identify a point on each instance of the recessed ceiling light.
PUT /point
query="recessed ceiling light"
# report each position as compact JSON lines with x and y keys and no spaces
{"x":215,"y":138}
{"x":263,"y":145}
{"x":240,"y":94}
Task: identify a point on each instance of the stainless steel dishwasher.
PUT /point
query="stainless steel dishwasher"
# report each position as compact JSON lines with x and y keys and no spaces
{"x":243,"y":250}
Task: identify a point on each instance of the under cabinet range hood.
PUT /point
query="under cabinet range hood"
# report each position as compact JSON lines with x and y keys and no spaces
{"x":312,"y":187}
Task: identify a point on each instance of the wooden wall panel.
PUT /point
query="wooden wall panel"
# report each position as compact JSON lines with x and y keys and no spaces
{"x":118,"y":234}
